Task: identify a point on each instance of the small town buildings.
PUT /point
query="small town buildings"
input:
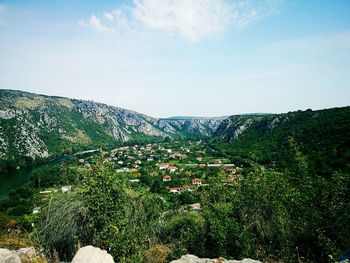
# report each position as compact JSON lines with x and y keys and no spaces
{"x":163,"y":166}
{"x":123,"y":170}
{"x":166,"y":178}
{"x":196,"y":181}
{"x":36,"y":210}
{"x":196,"y":207}
{"x":66,"y":188}
{"x":134,"y":180}
{"x":172,"y":169}
{"x":45,"y":192}
{"x":174,"y":189}
{"x":214,"y":165}
{"x":187,"y":188}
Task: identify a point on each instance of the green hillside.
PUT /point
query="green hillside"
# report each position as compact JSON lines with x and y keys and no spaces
{"x":323,"y":136}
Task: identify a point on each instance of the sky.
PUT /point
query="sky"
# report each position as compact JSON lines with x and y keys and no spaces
{"x":180,"y":57}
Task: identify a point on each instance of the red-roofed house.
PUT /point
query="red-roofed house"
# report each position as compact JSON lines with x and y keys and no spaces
{"x":166,"y":178}
{"x":197,"y":181}
{"x":174,"y":189}
{"x":172,"y":169}
{"x":163,"y":166}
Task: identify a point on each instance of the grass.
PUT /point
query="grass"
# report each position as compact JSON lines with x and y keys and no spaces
{"x":15,"y":240}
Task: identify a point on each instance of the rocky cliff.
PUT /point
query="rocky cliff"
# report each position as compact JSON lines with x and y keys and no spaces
{"x":37,"y":126}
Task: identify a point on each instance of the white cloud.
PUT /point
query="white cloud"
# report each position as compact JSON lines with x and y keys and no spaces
{"x":192,"y":20}
{"x":109,"y":16}
{"x":95,"y":23}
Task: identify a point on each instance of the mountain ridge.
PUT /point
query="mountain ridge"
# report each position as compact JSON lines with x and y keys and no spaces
{"x":36,"y":126}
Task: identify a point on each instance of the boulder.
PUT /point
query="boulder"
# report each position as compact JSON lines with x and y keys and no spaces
{"x":194,"y":259}
{"x":90,"y":254}
{"x":27,"y":254}
{"x":8,"y":256}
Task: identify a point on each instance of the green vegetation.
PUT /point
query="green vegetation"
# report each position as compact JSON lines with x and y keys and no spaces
{"x":278,"y":192}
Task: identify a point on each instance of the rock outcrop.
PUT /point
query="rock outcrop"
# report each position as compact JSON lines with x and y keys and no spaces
{"x":194,"y":259}
{"x":8,"y":256}
{"x":38,"y":126}
{"x":28,"y":254}
{"x":90,"y":254}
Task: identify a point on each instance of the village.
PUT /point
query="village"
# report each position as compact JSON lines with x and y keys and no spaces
{"x":175,"y":171}
{"x":173,"y":167}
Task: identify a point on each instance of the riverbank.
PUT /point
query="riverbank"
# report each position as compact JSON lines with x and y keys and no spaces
{"x":15,"y":179}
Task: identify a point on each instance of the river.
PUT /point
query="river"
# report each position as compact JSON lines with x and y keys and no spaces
{"x":18,"y":178}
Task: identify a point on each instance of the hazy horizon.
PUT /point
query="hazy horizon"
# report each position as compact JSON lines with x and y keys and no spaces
{"x":180,"y":58}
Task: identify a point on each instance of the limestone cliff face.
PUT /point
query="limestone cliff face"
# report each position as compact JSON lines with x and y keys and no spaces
{"x":39,"y":126}
{"x":235,"y":126}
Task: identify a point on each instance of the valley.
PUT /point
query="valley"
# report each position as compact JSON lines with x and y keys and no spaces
{"x":253,"y":185}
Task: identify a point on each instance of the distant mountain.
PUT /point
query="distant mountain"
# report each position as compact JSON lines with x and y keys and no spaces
{"x":196,"y":118}
{"x":36,"y":126}
{"x":323,"y":136}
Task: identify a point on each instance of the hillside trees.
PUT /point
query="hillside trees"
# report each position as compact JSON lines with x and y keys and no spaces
{"x":109,"y":215}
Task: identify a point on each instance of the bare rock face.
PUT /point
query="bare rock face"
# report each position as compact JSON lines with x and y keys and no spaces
{"x":194,"y":259}
{"x":8,"y":256}
{"x":90,"y":254}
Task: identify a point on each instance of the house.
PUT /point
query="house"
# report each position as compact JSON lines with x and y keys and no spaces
{"x":199,"y":159}
{"x":36,"y":210}
{"x":134,"y":180}
{"x":174,"y":189}
{"x":46,"y":192}
{"x":202,"y":165}
{"x":172,"y":169}
{"x":133,"y":170}
{"x":123,"y":170}
{"x":138,"y":162}
{"x":81,"y":160}
{"x":163,"y":166}
{"x":187,"y":188}
{"x":214,"y":165}
{"x":66,"y":188}
{"x":120,"y":162}
{"x":217,"y":161}
{"x":166,"y":178}
{"x":196,"y":181}
{"x":196,"y":207}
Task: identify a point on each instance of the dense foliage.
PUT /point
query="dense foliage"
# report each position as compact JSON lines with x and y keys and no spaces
{"x":290,"y":203}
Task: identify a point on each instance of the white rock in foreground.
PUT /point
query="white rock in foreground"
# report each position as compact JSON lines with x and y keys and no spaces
{"x":7,"y":256}
{"x":90,"y":254}
{"x":194,"y":259}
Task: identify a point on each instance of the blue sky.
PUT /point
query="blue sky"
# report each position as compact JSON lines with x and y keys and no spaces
{"x":180,"y":57}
